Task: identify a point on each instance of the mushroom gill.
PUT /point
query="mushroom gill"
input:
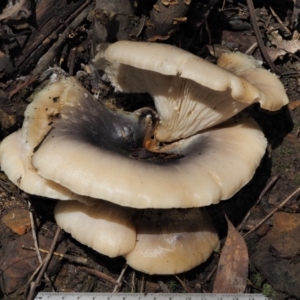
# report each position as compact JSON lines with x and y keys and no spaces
{"x":190,"y":94}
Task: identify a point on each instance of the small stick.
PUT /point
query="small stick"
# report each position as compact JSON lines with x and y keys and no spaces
{"x":251,"y":48}
{"x":279,"y":21}
{"x":80,"y":260}
{"x":34,"y":284}
{"x":34,"y":236}
{"x":259,"y":38}
{"x":271,"y":213}
{"x":35,"y":272}
{"x":143,"y":284}
{"x":120,"y":280}
{"x":262,"y":194}
{"x":98,"y":274}
{"x":184,"y":285}
{"x":211,"y":273}
{"x":36,"y":246}
{"x":133,"y":282}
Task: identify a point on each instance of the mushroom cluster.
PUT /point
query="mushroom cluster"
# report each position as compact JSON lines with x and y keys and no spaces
{"x":140,"y":179}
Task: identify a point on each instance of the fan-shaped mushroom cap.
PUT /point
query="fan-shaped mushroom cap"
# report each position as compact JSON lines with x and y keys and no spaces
{"x":105,"y":227}
{"x":90,"y":155}
{"x":273,"y":94}
{"x":172,"y":241}
{"x":190,"y":94}
{"x":22,"y":174}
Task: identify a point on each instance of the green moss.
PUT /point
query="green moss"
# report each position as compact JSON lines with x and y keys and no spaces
{"x":257,"y":279}
{"x":268,"y":291}
{"x":172,"y":285}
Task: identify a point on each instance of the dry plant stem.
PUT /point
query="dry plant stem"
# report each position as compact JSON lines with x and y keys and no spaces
{"x":269,"y":185}
{"x":35,"y":242}
{"x":272,"y":212}
{"x":184,"y":285}
{"x":36,"y":246}
{"x":143,"y":284}
{"x":251,"y":48}
{"x":34,"y":284}
{"x":80,"y":260}
{"x":133,"y":282}
{"x":211,"y":273}
{"x":98,"y":274}
{"x":120,"y":280}
{"x":279,"y":21}
{"x":259,"y":38}
{"x":29,"y":282}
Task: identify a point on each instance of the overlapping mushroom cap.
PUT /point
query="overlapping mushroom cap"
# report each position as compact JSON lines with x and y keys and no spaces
{"x":152,"y":241}
{"x":190,"y":94}
{"x":71,"y":146}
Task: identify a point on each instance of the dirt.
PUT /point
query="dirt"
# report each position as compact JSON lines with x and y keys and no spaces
{"x":36,"y":37}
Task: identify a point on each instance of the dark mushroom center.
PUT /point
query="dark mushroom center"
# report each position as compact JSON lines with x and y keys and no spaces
{"x":114,"y":130}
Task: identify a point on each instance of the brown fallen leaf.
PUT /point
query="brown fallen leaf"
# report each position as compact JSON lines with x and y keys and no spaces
{"x":18,"y":220}
{"x":294,"y":104}
{"x":232,"y":270}
{"x":283,"y":47}
{"x":17,"y":265}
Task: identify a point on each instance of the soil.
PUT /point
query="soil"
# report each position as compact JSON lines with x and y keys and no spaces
{"x":43,"y":34}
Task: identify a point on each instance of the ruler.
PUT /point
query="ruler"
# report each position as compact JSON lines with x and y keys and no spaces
{"x":149,"y":296}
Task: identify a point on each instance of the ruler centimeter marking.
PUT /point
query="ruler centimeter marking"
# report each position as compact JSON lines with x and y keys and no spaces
{"x":149,"y":296}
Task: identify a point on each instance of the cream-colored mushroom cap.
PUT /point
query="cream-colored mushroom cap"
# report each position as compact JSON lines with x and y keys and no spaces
{"x":20,"y":171}
{"x":105,"y":227}
{"x":17,"y":149}
{"x":88,"y":152}
{"x":190,"y":94}
{"x":172,"y":241}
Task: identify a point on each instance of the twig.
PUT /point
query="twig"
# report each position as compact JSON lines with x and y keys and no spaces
{"x":34,"y":273}
{"x":262,"y":194}
{"x":143,"y":284}
{"x":259,"y":38}
{"x":272,"y":212}
{"x":45,"y":264}
{"x":35,"y":242}
{"x":251,"y":48}
{"x":184,"y":285}
{"x":133,"y":282}
{"x":80,"y":260}
{"x":120,"y":280}
{"x":98,"y":274}
{"x":210,"y":274}
{"x":279,"y":21}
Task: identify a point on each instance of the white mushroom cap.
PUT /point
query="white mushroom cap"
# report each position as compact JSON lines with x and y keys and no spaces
{"x":105,"y":227}
{"x":273,"y":95}
{"x":76,"y":155}
{"x":17,"y":149}
{"x":172,"y":241}
{"x":22,"y":174}
{"x":190,"y":94}
{"x":88,"y":147}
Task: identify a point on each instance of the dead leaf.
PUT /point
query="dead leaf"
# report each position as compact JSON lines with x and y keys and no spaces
{"x":232,"y":270}
{"x":277,"y":255}
{"x":17,"y":264}
{"x":11,"y":11}
{"x":283,"y":47}
{"x":18,"y":220}
{"x":294,"y":104}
